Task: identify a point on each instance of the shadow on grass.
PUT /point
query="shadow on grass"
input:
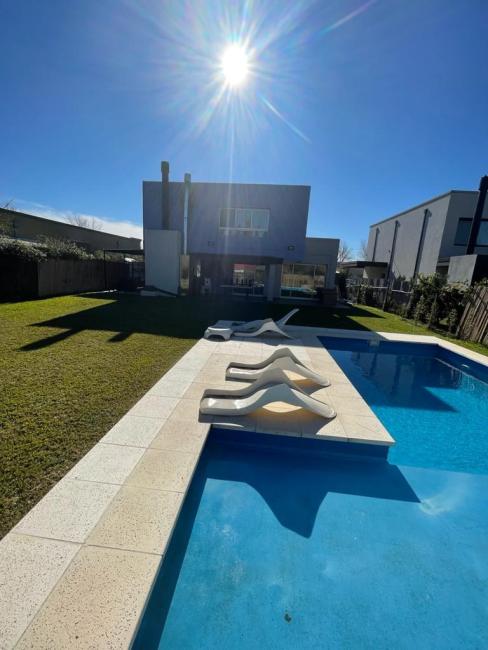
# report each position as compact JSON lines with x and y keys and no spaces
{"x":184,"y":317}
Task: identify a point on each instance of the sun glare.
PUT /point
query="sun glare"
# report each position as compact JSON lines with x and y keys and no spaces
{"x":235,"y":65}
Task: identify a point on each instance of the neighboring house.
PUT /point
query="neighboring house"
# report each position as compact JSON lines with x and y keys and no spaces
{"x":234,"y":238}
{"x":447,"y":234}
{"x":29,"y":227}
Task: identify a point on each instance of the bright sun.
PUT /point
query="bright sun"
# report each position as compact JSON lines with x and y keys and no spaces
{"x":235,"y":65}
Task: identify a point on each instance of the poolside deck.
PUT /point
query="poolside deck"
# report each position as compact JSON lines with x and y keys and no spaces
{"x":80,"y":565}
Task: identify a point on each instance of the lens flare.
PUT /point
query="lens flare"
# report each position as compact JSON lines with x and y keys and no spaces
{"x":235,"y":65}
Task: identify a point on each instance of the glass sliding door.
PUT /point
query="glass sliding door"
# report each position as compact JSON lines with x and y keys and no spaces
{"x":303,"y":280}
{"x":248,"y":279}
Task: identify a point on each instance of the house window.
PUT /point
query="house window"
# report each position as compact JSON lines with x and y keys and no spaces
{"x":462,"y":232}
{"x":227,"y":218}
{"x":303,"y":280}
{"x":244,"y":219}
{"x":482,"y":239}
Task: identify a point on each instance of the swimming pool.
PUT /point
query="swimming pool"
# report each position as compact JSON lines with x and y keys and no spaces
{"x":283,"y":543}
{"x":432,"y":401}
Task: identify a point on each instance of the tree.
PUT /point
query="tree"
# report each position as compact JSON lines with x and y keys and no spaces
{"x":363,"y":249}
{"x":345,"y":252}
{"x":84,"y":221}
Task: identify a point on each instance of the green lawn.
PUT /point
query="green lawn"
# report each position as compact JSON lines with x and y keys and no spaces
{"x":72,"y":366}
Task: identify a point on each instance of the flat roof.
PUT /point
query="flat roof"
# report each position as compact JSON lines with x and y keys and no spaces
{"x":419,"y":205}
{"x":16,"y":213}
{"x":226,"y":183}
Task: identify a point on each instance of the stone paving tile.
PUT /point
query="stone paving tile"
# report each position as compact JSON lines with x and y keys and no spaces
{"x":164,"y":470}
{"x":336,"y":389}
{"x":195,"y":390}
{"x":360,"y":428}
{"x":138,"y":520}
{"x":154,"y":406}
{"x":350,"y":405}
{"x":179,"y":375}
{"x":107,"y":464}
{"x":168,"y":387}
{"x":133,"y":430}
{"x":210,"y":375}
{"x":181,"y":436}
{"x":317,"y":427}
{"x":187,"y":410}
{"x":335,"y":377}
{"x":69,"y":511}
{"x":29,"y":569}
{"x":192,"y":365}
{"x":96,"y":604}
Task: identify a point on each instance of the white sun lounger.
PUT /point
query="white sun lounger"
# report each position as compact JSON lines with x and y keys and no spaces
{"x":283,"y":359}
{"x":269,"y":377}
{"x":253,"y":328}
{"x":264,"y":397}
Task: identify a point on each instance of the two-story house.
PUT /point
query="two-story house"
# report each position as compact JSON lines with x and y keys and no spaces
{"x":234,"y":238}
{"x":447,"y":234}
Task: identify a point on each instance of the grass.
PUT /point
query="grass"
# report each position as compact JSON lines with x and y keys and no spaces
{"x":72,"y":366}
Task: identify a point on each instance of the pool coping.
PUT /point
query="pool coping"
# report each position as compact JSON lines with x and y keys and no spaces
{"x":109,"y":521}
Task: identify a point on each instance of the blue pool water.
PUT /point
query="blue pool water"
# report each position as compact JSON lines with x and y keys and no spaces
{"x":433,"y":402}
{"x":288,"y":544}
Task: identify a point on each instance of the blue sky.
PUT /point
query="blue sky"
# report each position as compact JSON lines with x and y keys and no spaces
{"x":377,"y":105}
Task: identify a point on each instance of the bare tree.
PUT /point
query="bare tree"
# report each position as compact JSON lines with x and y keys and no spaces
{"x":85,"y":222}
{"x":8,"y":205}
{"x":363,"y":249}
{"x":345,"y":252}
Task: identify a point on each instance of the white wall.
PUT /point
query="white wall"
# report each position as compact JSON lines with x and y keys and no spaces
{"x":461,"y":268}
{"x":408,"y":238}
{"x":321,"y":250}
{"x":162,"y":250}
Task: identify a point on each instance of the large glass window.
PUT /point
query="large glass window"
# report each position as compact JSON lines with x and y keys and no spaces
{"x":462,"y":232}
{"x":248,"y":279}
{"x":245,"y":219}
{"x":482,"y":239}
{"x":227,"y":218}
{"x":303,"y":280}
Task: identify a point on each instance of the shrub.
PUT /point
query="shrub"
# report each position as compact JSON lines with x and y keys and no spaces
{"x":21,"y":250}
{"x":64,"y":249}
{"x":433,"y":301}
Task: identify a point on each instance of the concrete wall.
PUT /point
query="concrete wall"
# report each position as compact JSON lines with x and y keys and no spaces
{"x":162,"y":254}
{"x":462,"y":206}
{"x":288,"y":205}
{"x":31,"y":228}
{"x":461,"y":268}
{"x":321,"y":250}
{"x":408,"y":238}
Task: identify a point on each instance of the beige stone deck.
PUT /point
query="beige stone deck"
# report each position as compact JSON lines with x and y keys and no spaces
{"x":78,"y":569}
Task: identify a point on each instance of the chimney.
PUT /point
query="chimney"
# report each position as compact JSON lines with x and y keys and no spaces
{"x":185,"y":213}
{"x":165,"y":195}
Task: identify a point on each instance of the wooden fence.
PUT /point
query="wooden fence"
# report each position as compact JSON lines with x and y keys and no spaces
{"x":55,"y":277}
{"x":473,"y":325}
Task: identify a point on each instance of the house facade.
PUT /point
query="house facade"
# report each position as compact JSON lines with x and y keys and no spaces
{"x":234,"y":238}
{"x":447,"y":234}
